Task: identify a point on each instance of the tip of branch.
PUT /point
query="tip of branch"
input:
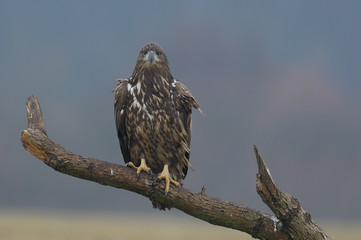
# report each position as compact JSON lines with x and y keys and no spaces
{"x":263,"y":171}
{"x":34,"y":114}
{"x":260,"y":163}
{"x":266,"y":187}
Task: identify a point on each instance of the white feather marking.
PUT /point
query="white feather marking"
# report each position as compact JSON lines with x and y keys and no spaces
{"x":129,"y":86}
{"x":138,"y":86}
{"x":150,"y":116}
{"x":164,"y":80}
{"x":122,"y":111}
{"x":136,"y":104}
{"x":111,"y":171}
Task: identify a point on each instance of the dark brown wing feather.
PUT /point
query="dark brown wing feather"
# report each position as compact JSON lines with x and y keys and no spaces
{"x":184,"y":102}
{"x":120,"y":102}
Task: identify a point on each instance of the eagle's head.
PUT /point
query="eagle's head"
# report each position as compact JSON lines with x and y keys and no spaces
{"x":151,"y":57}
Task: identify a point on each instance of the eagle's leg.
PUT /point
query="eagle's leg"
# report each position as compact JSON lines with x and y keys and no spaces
{"x":168,"y":179}
{"x":142,"y":167}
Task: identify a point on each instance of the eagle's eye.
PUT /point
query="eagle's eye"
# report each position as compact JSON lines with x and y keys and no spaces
{"x":144,"y":53}
{"x":159,"y":53}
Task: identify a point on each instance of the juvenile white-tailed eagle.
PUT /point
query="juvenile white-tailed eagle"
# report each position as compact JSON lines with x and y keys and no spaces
{"x":153,"y":113}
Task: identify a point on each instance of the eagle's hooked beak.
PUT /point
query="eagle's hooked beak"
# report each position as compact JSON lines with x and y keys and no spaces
{"x":151,"y":56}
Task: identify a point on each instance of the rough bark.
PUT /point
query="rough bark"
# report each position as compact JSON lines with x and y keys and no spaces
{"x":294,"y":222}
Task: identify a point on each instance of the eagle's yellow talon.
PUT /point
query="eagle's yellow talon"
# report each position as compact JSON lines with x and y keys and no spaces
{"x":130,"y":164}
{"x":168,"y":179}
{"x":142,"y":167}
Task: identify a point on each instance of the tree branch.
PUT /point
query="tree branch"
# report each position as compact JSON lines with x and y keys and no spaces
{"x":215,"y":211}
{"x":296,"y":222}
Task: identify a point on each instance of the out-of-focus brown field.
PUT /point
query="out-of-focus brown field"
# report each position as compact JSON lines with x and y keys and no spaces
{"x":54,"y":225}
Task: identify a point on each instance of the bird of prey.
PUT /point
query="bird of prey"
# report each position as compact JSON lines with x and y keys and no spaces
{"x":153,"y":113}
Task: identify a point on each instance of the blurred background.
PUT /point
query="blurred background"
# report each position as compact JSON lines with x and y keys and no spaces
{"x":283,"y":75}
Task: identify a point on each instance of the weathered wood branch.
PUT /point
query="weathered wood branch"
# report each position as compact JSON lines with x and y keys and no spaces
{"x":215,"y":211}
{"x":296,"y":222}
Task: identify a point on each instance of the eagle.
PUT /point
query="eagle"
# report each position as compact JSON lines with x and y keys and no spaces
{"x":153,"y":118}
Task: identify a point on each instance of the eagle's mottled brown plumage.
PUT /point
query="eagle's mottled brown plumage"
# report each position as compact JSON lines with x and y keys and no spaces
{"x":153,"y":116}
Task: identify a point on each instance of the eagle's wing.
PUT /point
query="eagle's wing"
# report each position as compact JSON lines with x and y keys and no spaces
{"x":120,"y":102}
{"x":184,"y":102}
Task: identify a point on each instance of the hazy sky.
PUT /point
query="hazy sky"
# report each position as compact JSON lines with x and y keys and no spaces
{"x":284,"y":75}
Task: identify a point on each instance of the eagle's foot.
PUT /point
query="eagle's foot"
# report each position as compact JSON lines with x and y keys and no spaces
{"x":168,"y":179}
{"x":142,"y":167}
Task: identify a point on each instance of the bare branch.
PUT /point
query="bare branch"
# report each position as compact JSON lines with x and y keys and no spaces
{"x":296,"y":222}
{"x":34,"y":114}
{"x":215,"y":211}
